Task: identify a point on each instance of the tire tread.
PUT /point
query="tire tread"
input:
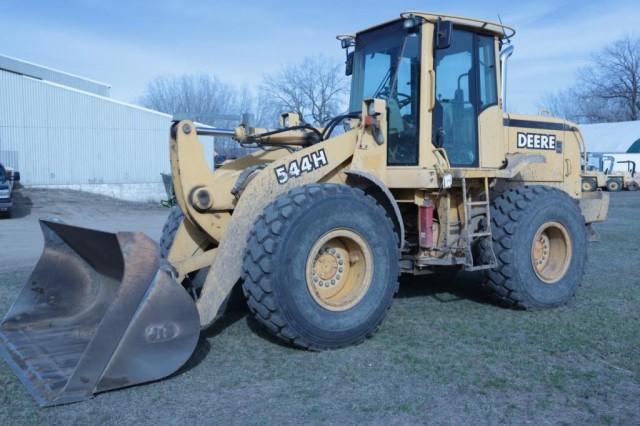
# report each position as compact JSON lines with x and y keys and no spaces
{"x":508,"y":210}
{"x":258,"y":262}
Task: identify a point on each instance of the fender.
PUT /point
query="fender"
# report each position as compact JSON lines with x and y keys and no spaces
{"x":276,"y":178}
{"x":382,"y":195}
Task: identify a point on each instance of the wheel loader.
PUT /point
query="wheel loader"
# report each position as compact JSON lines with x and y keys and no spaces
{"x":631,"y":179}
{"x":617,"y":180}
{"x":592,"y":179}
{"x":427,"y":171}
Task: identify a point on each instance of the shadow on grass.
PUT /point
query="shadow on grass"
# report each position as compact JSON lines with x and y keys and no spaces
{"x":235,"y":310}
{"x":445,"y":287}
{"x":263,"y":333}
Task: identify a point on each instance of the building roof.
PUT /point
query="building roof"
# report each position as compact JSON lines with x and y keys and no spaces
{"x":611,"y":137}
{"x":498,"y":29}
{"x":41,"y":72}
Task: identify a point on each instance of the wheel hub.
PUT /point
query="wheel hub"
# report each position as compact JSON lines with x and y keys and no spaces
{"x":339,"y":269}
{"x":541,"y":251}
{"x":328,"y":266}
{"x":551,"y":252}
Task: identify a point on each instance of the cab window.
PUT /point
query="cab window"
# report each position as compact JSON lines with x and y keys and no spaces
{"x":465,"y":86}
{"x":387,"y":66}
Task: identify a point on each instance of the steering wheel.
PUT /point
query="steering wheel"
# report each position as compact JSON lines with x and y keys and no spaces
{"x":403,"y":98}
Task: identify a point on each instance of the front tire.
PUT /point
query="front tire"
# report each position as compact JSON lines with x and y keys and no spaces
{"x":539,"y":239}
{"x":169,"y":230}
{"x":321,"y":266}
{"x":196,"y":279}
{"x":589,"y":184}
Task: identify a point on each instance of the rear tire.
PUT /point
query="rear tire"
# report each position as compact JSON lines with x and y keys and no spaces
{"x":633,"y":186}
{"x":194,"y":279}
{"x":614,"y":185}
{"x":539,"y":239}
{"x":169,"y":230}
{"x":295,"y":254}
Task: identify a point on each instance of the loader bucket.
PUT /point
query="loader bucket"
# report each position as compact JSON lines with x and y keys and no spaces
{"x":99,"y":312}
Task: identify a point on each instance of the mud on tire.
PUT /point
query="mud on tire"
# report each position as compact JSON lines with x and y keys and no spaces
{"x":516,"y":216}
{"x":279,"y":247}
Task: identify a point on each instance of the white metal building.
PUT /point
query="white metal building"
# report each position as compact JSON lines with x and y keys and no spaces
{"x":618,"y":140}
{"x":64,"y":131}
{"x":611,"y":137}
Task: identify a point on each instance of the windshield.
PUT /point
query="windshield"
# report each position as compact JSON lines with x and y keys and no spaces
{"x":386,"y":65}
{"x":378,"y":61}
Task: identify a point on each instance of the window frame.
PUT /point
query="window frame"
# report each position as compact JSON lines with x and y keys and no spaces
{"x":474,"y":85}
{"x":358,"y":85}
{"x":476,"y":43}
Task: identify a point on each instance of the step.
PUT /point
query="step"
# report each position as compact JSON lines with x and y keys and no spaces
{"x":480,"y":234}
{"x":481,"y":267}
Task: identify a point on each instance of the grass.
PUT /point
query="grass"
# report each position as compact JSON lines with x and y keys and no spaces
{"x":444,"y":355}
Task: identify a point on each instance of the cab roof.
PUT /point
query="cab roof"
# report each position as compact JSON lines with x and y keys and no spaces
{"x":496,"y":28}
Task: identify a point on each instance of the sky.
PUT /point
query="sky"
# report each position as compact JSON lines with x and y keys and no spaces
{"x":128,"y":43}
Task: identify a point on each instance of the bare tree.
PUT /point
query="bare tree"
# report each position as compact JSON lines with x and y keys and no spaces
{"x":614,"y":78}
{"x":200,"y":96}
{"x":315,"y":88}
{"x":607,"y":90}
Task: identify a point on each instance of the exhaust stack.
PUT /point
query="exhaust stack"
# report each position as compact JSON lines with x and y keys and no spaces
{"x":505,"y":53}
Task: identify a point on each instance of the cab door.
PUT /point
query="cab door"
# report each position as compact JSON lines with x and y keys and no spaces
{"x":466,"y":109}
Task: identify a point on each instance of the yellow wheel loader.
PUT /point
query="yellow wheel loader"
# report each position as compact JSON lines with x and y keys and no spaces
{"x":631,"y":179}
{"x":316,"y":225}
{"x":614,"y":179}
{"x":592,"y":179}
{"x":617,"y":180}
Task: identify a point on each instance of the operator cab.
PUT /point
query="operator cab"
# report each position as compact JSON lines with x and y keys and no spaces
{"x":457,"y":90}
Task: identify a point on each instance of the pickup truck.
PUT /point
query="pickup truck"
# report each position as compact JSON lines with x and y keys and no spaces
{"x":8,"y":177}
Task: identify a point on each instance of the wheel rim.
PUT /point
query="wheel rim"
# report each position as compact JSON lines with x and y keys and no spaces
{"x":613,"y":186}
{"x":586,"y":186}
{"x":339,"y":269}
{"x":551,"y":252}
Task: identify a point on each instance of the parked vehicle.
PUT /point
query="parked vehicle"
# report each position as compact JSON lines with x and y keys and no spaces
{"x":8,"y":177}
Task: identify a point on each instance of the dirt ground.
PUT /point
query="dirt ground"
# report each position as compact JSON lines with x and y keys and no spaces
{"x":20,"y":237}
{"x":444,"y":355}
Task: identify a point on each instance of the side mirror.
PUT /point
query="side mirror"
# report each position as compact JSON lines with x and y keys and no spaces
{"x":443,"y":34}
{"x":348,"y":69}
{"x":15,"y":176}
